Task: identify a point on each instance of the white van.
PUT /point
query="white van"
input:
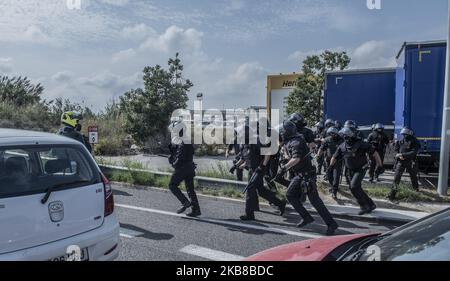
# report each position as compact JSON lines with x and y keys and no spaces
{"x":55,"y":204}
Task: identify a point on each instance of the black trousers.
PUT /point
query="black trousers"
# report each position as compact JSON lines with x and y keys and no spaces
{"x":334,"y":176}
{"x":373,"y":163}
{"x":320,"y":163}
{"x":239,"y":174}
{"x":294,"y":194}
{"x":186,"y":174}
{"x":251,"y":197}
{"x":360,"y":195}
{"x":400,"y":168}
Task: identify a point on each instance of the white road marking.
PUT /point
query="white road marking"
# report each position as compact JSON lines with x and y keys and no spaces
{"x":128,"y":233}
{"x":225,"y":222}
{"x":210,"y":254}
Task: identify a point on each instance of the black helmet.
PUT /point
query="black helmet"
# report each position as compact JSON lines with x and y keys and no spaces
{"x":379,"y":126}
{"x":319,"y":125}
{"x":332,"y":131}
{"x":329,"y":123}
{"x":287,"y":130}
{"x":350,"y":124}
{"x":297,"y":119}
{"x":338,"y":124}
{"x":407,"y":132}
{"x":347,"y":133}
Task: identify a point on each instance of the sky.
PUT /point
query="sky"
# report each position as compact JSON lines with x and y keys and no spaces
{"x":94,"y":52}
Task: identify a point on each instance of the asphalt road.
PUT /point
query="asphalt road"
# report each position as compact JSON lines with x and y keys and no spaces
{"x":151,"y":230}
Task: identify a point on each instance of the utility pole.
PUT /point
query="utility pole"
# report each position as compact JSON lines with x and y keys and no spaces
{"x":445,"y":140}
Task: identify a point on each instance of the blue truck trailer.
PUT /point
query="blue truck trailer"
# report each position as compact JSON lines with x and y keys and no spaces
{"x":366,"y":96}
{"x":420,"y":79}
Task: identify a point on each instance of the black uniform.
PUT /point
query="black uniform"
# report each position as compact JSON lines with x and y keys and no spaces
{"x":251,"y":154}
{"x":304,"y":182}
{"x":237,"y":149}
{"x":379,"y":141}
{"x":307,"y":134}
{"x":354,"y":155}
{"x":330,"y":145}
{"x":181,"y":159}
{"x":408,"y":147}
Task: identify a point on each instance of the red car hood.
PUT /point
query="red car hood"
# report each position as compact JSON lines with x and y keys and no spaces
{"x":308,"y":250}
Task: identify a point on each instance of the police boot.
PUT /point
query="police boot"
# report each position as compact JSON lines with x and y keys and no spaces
{"x":305,"y":222}
{"x":248,"y":217}
{"x":282,"y":208}
{"x":391,"y":196}
{"x":184,"y":207}
{"x":367,"y":210}
{"x":332,"y":229}
{"x":334,"y":194}
{"x":194,"y":213}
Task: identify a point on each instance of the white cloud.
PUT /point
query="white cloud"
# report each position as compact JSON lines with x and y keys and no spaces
{"x":109,"y":80}
{"x":300,"y":56}
{"x":6,"y":65}
{"x":369,"y":54}
{"x":373,"y":54}
{"x":34,"y":34}
{"x":123,"y":55}
{"x":63,"y":76}
{"x":137,"y":32}
{"x":244,"y":86}
{"x":119,"y":3}
{"x":175,"y":39}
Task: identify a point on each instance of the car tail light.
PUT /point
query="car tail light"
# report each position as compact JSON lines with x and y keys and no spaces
{"x":109,"y":198}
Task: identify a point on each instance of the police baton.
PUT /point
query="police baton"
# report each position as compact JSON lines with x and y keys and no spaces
{"x":276,"y":177}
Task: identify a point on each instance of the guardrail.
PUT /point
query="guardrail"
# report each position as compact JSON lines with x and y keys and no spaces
{"x":207,"y":182}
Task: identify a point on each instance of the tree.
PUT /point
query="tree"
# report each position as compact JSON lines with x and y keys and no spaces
{"x":147,"y":111}
{"x":19,"y":91}
{"x":306,"y":98}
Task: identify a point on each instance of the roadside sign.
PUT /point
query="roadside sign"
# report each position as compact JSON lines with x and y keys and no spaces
{"x":93,"y":134}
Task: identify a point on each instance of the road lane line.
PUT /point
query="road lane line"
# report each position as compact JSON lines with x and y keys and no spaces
{"x":226,"y":222}
{"x":128,"y":233}
{"x":210,"y":254}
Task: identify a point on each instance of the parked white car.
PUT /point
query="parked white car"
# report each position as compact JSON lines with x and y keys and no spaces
{"x":55,"y":204}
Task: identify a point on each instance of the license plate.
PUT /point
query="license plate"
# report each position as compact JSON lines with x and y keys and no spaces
{"x":84,"y":256}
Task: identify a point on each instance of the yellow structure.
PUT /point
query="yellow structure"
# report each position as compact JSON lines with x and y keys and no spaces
{"x":278,"y":89}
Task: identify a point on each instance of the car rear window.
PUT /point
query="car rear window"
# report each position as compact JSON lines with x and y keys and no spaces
{"x":32,"y":170}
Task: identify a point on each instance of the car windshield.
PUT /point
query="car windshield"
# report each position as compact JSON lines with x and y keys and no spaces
{"x":32,"y":170}
{"x":427,"y":240}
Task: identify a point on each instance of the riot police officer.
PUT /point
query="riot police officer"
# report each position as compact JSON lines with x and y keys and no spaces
{"x":379,"y":140}
{"x":329,"y":147}
{"x":407,"y":150}
{"x":257,"y":165}
{"x":71,"y":121}
{"x":237,"y":149}
{"x":181,"y":159}
{"x":304,"y":181}
{"x":352,"y":125}
{"x":300,"y":123}
{"x":354,"y":152}
{"x":320,"y":134}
